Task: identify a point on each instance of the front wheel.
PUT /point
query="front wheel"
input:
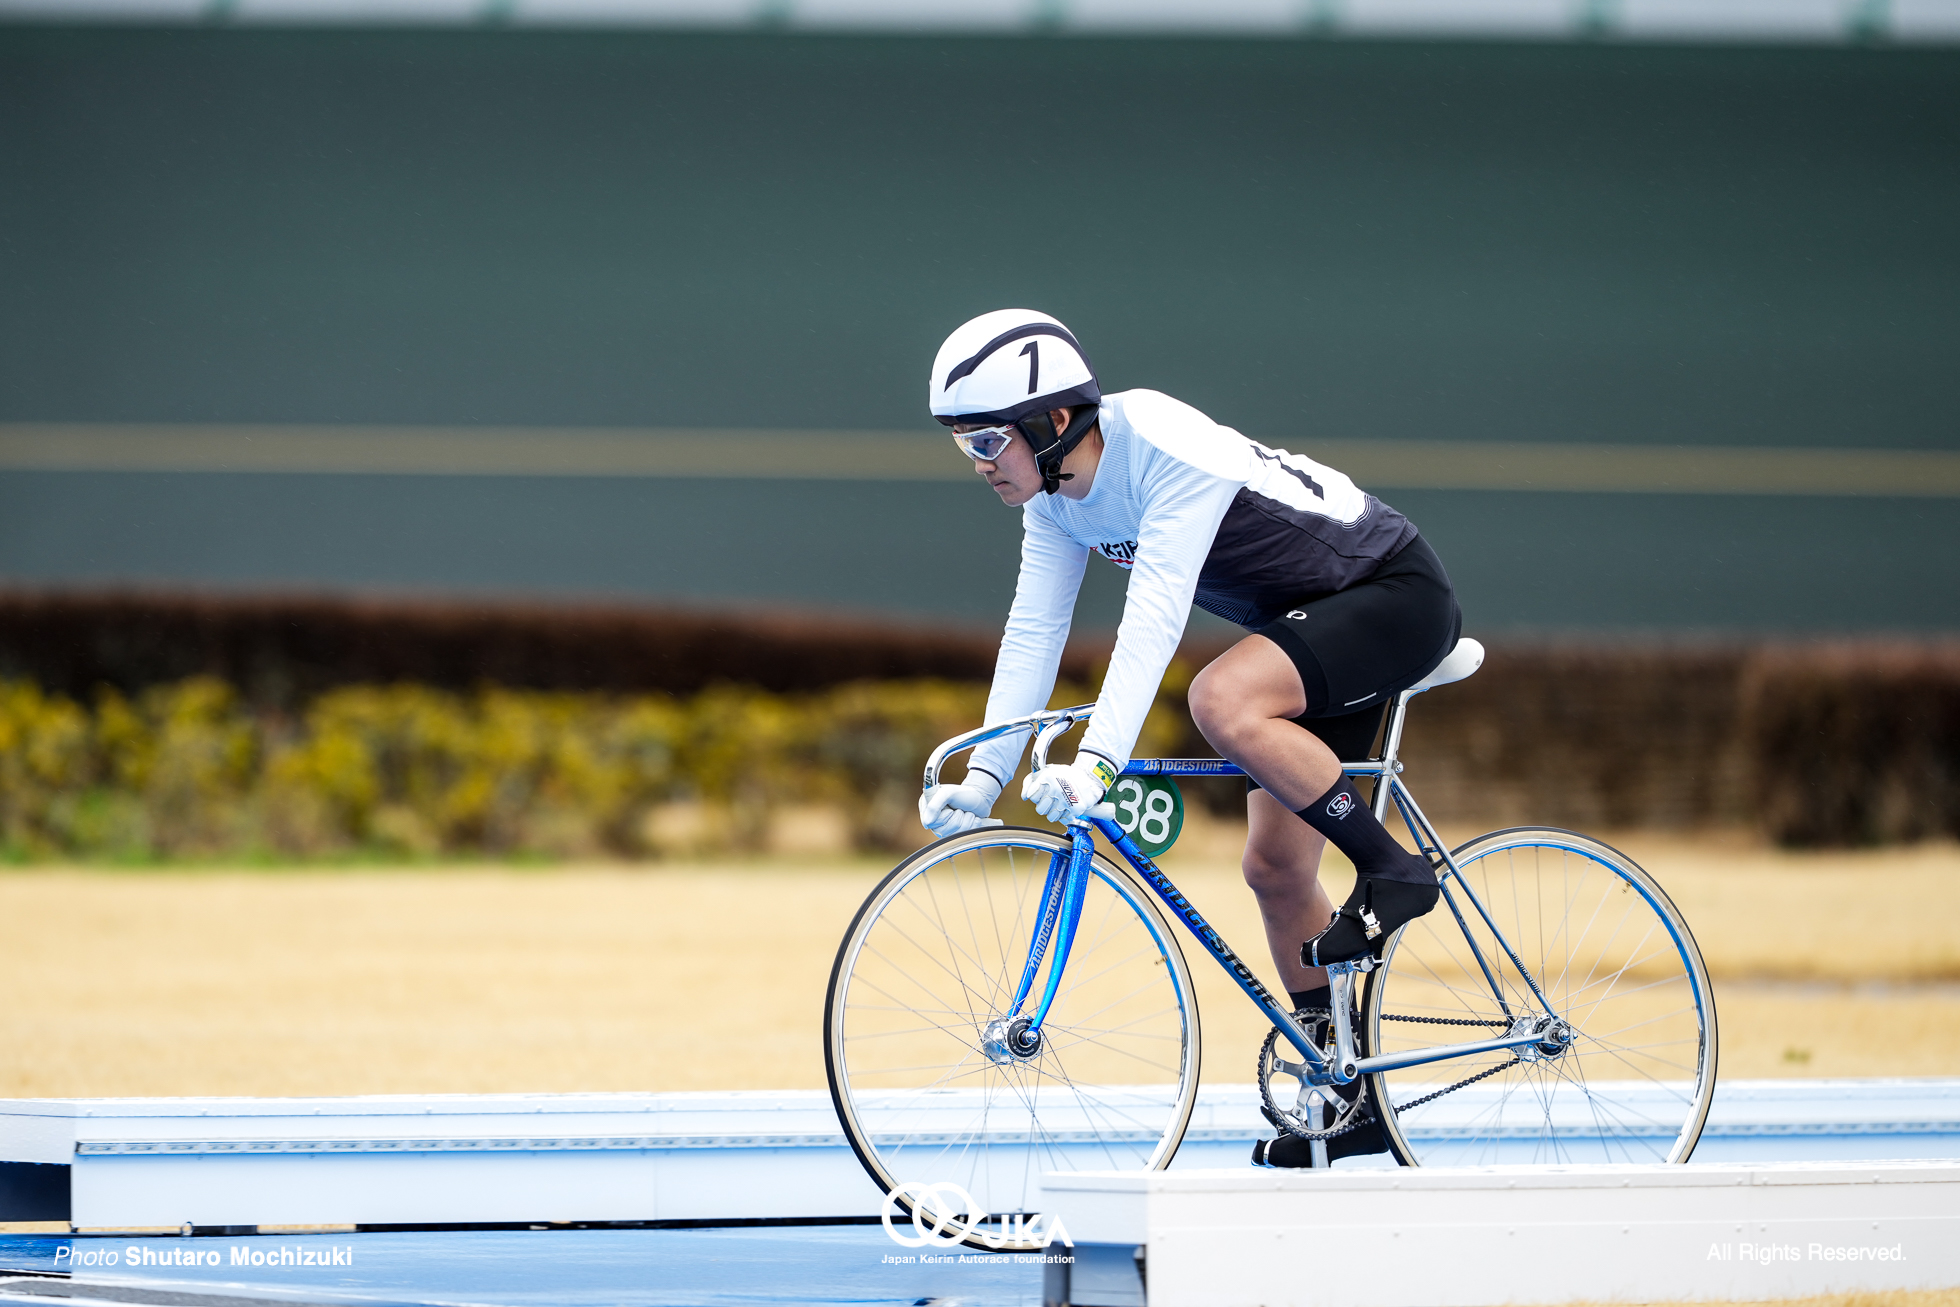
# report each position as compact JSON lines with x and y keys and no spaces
{"x":934,"y":1103}
{"x":1626,"y":1069}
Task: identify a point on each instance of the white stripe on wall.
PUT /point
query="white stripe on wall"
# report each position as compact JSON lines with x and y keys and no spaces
{"x":927,"y":456}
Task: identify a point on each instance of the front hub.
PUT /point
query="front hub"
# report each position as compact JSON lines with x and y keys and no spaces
{"x":1007,"y":1040}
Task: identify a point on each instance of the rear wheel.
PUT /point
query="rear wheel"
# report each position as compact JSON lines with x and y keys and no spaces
{"x":1626,"y":1069}
{"x":930,"y":1096}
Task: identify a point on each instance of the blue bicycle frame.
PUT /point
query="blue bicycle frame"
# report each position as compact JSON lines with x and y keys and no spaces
{"x":1067,"y":882}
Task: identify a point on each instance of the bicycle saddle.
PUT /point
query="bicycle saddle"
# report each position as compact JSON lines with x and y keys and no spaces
{"x":1457,"y":665}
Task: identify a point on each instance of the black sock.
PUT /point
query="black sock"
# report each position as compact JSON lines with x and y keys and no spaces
{"x":1321,"y":998}
{"x":1349,"y":826}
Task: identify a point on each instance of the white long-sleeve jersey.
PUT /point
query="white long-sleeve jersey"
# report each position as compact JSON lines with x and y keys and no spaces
{"x":1195,"y":512}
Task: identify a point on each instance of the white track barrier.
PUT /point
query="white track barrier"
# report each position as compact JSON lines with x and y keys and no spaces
{"x":401,"y":1159}
{"x":470,"y":1158}
{"x":1466,"y":1237}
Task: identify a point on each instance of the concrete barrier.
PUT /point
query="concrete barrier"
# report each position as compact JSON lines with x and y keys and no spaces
{"x":1470,"y":1236}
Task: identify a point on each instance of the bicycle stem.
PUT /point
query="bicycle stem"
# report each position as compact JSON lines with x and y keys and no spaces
{"x":1032,"y":722}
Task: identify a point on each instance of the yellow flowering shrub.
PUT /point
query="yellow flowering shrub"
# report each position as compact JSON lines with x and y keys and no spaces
{"x":48,"y":766}
{"x":190,"y":770}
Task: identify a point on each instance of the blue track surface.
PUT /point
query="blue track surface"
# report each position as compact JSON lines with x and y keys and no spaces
{"x":566,"y":1268}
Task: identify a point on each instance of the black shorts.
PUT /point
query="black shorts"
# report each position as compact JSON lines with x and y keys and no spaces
{"x":1358,"y":648}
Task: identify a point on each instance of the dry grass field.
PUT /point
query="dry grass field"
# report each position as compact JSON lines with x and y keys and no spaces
{"x":712,"y":975}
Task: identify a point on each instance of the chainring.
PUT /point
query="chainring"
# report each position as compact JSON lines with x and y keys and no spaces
{"x":1317,"y":1111}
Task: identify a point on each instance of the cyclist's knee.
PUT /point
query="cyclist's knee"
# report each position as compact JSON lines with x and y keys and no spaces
{"x":1203,"y":697}
{"x":1214,"y":709}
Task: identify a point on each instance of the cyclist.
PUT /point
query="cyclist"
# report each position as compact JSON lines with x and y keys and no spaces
{"x":1346,"y":605}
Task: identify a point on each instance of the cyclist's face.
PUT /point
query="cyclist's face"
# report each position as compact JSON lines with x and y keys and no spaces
{"x":1013,"y":474}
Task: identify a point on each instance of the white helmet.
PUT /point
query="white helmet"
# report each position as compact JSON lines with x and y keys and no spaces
{"x":981,"y":377}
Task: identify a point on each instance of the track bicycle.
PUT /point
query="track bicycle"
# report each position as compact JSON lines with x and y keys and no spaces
{"x":1552,"y":1008}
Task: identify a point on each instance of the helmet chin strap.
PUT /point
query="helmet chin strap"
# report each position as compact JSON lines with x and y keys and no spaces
{"x":1050,"y":449}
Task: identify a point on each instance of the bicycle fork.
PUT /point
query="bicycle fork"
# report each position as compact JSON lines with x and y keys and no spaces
{"x":1017,"y":1036}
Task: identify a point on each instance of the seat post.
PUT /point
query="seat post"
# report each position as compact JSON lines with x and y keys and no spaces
{"x":1391,"y":746}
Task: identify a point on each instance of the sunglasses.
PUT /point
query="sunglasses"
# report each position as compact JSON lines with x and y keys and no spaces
{"x":986,"y":444}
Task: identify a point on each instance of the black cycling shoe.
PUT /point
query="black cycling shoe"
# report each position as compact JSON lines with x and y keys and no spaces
{"x":1289,"y":1151}
{"x":1373,"y":912}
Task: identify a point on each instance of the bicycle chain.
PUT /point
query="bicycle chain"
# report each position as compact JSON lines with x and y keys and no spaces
{"x":1430,"y":1098}
{"x":1481,"y":1075}
{"x":1359,"y":1114}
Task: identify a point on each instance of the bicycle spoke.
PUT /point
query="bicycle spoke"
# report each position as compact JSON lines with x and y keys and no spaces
{"x":954,"y":953}
{"x":932,"y":970}
{"x":908,"y":976}
{"x":1632,"y":1079}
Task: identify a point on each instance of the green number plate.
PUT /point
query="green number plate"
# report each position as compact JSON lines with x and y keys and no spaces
{"x":1150,"y":809}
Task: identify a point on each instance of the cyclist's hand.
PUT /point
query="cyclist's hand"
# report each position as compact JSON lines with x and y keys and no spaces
{"x":956,"y":809}
{"x":1064,"y":791}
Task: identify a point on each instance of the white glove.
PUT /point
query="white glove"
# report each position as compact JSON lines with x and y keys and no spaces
{"x":1064,"y":791}
{"x":956,"y":809}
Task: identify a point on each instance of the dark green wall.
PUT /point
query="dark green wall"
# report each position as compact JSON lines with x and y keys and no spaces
{"x":1468,"y":240}
{"x":1478,"y":241}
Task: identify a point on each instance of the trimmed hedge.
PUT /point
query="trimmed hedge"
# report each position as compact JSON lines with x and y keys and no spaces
{"x":1589,"y":738}
{"x":623,"y":718}
{"x":281,"y":651}
{"x":1854,"y":743}
{"x":1814,"y":745}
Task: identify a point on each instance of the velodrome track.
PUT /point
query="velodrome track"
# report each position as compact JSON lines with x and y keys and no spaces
{"x":753,"y":1198}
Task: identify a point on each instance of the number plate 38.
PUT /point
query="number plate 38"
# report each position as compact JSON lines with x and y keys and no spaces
{"x":1150,"y":809}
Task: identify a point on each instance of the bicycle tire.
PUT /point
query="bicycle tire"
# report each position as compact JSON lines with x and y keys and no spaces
{"x":942,"y":941}
{"x":1611,"y":954}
